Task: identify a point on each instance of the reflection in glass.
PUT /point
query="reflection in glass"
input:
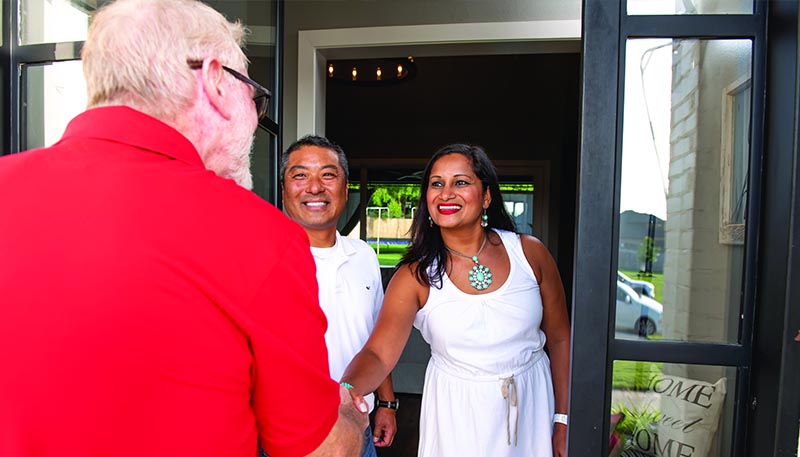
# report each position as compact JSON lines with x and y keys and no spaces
{"x":683,"y":193}
{"x":260,"y":18}
{"x":658,"y":7}
{"x":55,"y":93}
{"x":54,"y":21}
{"x":671,"y":409}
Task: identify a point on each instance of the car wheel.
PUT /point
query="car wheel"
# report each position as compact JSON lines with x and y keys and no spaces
{"x":645,"y":327}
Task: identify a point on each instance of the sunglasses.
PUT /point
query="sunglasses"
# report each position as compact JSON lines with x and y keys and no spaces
{"x":261,"y":94}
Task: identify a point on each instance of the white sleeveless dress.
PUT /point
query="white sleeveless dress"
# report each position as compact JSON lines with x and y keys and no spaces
{"x":488,"y":389}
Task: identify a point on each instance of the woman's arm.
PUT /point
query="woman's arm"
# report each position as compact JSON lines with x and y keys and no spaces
{"x":382,"y":351}
{"x":555,"y":324}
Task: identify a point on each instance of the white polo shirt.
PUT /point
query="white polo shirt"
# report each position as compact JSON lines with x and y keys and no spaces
{"x":350,"y":294}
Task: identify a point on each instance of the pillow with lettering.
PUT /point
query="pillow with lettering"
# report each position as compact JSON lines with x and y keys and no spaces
{"x":688,"y":417}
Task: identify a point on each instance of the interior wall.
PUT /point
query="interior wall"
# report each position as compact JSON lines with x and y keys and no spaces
{"x":320,"y":15}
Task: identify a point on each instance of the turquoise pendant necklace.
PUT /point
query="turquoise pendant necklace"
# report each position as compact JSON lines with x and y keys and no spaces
{"x":479,"y":276}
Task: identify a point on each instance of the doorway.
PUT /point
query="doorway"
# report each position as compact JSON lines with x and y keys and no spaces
{"x":522,"y":108}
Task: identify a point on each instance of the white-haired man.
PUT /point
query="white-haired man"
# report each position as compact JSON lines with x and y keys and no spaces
{"x":151,"y":304}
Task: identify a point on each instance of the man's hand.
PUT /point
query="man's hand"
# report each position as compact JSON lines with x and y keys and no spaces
{"x":346,"y":439}
{"x":385,"y":427}
{"x":351,"y":401}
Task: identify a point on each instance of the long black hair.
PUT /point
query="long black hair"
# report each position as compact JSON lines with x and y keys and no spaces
{"x":427,"y":247}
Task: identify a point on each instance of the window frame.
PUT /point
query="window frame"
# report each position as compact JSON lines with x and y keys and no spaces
{"x":731,"y":232}
{"x":16,"y":58}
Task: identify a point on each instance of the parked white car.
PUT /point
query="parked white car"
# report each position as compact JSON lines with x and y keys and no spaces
{"x":641,"y":287}
{"x":638,"y":313}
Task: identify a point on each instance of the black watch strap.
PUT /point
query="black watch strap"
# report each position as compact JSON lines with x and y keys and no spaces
{"x":395,"y":405}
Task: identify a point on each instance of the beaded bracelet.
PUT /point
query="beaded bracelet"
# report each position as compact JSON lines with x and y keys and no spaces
{"x":346,"y":385}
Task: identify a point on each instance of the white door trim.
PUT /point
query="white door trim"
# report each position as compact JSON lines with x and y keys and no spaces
{"x":311,"y":64}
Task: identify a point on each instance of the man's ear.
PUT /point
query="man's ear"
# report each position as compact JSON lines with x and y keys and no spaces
{"x":218,"y":96}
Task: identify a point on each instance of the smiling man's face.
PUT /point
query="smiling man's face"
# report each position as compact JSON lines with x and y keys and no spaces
{"x":314,"y":188}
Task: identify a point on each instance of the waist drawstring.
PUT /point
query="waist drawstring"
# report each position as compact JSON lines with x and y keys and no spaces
{"x":509,"y":389}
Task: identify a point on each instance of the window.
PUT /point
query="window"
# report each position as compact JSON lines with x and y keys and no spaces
{"x":55,"y":93}
{"x":391,"y":192}
{"x":671,"y":158}
{"x":735,"y":161}
{"x":47,"y":89}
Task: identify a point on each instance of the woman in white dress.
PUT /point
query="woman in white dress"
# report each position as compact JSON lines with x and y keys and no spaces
{"x":487,"y":300}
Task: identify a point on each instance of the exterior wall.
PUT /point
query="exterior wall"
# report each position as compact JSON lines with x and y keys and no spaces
{"x":679,"y":242}
{"x":320,"y":15}
{"x":702,"y":276}
{"x":388,"y":228}
{"x":716,"y":271}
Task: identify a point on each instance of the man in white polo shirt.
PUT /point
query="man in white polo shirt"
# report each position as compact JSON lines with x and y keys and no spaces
{"x":314,"y":182}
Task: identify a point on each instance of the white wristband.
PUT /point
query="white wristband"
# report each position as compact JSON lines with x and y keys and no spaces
{"x":560,"y":418}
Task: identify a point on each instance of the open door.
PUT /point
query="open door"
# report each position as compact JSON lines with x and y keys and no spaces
{"x":682,"y":276}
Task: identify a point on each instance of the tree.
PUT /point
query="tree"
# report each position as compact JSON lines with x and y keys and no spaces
{"x":647,"y":254}
{"x":399,"y":198}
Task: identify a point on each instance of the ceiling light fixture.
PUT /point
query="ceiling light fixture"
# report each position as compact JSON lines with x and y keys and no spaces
{"x":370,"y":71}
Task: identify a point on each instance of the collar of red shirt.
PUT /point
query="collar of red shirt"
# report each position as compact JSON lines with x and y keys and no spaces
{"x":122,"y":124}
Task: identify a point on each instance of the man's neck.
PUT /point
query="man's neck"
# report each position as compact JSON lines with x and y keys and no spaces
{"x":322,"y":238}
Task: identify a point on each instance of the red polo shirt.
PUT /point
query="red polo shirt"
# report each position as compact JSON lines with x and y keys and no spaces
{"x":151,"y":308}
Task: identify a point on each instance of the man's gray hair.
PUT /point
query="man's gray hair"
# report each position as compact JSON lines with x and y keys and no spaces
{"x":136,"y":53}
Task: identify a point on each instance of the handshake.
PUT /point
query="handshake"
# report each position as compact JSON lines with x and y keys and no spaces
{"x":353,"y":406}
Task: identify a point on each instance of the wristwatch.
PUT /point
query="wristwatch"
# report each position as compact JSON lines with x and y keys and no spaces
{"x":395,"y":405}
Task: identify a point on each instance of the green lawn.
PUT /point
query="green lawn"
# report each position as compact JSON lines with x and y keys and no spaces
{"x":633,"y":375}
{"x":390,"y":254}
{"x":657,"y":279}
{"x":389,"y":260}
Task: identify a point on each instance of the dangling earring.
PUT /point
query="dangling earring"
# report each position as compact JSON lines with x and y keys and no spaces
{"x":430,"y":222}
{"x":484,"y":219}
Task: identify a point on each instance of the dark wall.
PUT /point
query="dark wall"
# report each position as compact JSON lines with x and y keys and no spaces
{"x":518,"y":107}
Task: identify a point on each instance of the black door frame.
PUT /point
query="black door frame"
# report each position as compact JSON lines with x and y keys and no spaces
{"x":775,"y":401}
{"x":764,"y":356}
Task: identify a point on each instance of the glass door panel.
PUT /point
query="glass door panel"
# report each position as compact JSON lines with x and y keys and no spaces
{"x":54,"y":93}
{"x":54,"y":21}
{"x":683,"y":193}
{"x":638,"y":7}
{"x":666,"y":409}
{"x":392,"y":196}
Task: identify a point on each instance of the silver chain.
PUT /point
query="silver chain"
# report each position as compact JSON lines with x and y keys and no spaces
{"x":473,"y":258}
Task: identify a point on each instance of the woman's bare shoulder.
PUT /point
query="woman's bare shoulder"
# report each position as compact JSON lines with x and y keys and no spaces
{"x":406,"y":284}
